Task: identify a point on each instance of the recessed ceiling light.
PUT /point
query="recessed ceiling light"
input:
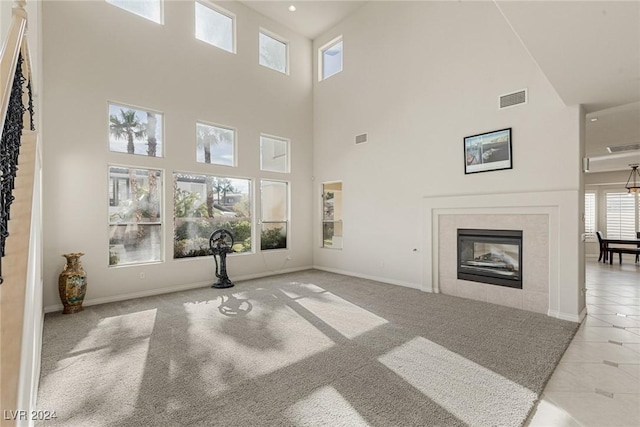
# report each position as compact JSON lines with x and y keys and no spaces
{"x":595,"y":119}
{"x":292,"y":8}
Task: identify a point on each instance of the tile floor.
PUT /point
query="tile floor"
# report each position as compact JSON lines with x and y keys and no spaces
{"x":597,"y":382}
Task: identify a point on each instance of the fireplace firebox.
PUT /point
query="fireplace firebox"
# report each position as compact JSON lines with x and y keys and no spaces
{"x":490,"y":256}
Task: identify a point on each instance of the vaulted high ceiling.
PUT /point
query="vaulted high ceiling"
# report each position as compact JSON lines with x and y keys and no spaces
{"x":588,"y":50}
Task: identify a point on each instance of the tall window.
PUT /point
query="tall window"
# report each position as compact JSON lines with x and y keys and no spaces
{"x":215,"y":26}
{"x":215,"y":144}
{"x":590,"y":216}
{"x":135,"y":215}
{"x":622,"y":215}
{"x":150,"y":9}
{"x":332,"y":215}
{"x":135,"y":131}
{"x":274,"y":214}
{"x":273,"y":52}
{"x":274,"y":154}
{"x":330,"y":58}
{"x":206,"y":203}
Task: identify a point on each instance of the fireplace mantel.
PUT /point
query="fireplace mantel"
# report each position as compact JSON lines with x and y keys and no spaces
{"x":556,"y":291}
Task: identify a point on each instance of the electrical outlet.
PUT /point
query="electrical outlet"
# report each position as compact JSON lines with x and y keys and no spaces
{"x":142,"y":276}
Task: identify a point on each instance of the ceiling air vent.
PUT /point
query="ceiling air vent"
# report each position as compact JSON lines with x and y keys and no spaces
{"x":361,"y":139}
{"x":623,"y":148}
{"x":513,"y":99}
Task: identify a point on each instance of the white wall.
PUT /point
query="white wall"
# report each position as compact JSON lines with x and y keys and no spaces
{"x":419,"y":77}
{"x":93,"y":53}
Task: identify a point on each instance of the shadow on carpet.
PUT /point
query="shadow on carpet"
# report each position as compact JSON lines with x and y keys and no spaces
{"x":302,"y":349}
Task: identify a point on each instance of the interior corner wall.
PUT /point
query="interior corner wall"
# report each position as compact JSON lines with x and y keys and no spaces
{"x":418,"y":77}
{"x":94,"y":53}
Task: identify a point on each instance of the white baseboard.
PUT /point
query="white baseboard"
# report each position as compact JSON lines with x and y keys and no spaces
{"x":570,"y":317}
{"x":176,"y":288}
{"x":369,"y":277}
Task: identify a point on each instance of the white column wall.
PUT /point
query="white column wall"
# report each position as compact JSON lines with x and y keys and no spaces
{"x":418,"y":77}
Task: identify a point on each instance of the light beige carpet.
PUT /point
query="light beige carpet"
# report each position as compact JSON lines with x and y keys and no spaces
{"x":302,"y":349}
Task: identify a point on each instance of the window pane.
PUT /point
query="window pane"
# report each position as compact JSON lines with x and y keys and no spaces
{"x":150,"y":9}
{"x":332,"y":60}
{"x":214,"y":27}
{"x":274,"y":155}
{"x":273,"y":235}
{"x":273,"y":53}
{"x":206,"y":203}
{"x":135,"y":131}
{"x":590,"y":216}
{"x":621,"y":216}
{"x":273,"y":201}
{"x":135,"y":232}
{"x":332,"y":201}
{"x":274,"y":214}
{"x":332,"y":234}
{"x":215,"y":145}
{"x":332,"y":215}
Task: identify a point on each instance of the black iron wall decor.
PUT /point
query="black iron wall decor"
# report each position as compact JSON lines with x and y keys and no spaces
{"x":221,"y":244}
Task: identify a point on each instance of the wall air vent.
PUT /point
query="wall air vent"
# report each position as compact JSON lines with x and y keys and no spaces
{"x":513,"y":99}
{"x":361,"y":139}
{"x":623,"y":148}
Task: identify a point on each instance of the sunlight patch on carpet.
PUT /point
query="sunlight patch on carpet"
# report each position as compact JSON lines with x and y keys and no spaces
{"x":324,"y":407}
{"x":345,"y":317}
{"x":470,"y":392}
{"x":296,"y":290}
{"x":103,"y":383}
{"x":118,"y":329}
{"x":241,"y":347}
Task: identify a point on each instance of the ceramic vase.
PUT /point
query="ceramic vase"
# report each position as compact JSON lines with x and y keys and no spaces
{"x":72,"y":284}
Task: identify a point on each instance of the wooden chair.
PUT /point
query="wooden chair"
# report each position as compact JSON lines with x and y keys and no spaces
{"x":638,"y":255}
{"x":603,"y":252}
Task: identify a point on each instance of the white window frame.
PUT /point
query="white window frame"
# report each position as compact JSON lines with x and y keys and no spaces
{"x":287,"y":142}
{"x":221,"y":11}
{"x":323,"y":220}
{"x":286,"y":221}
{"x":252,"y":211}
{"x":591,"y":236}
{"x":160,"y":22}
{"x":321,"y":52}
{"x":161,"y":211}
{"x":235,"y":142}
{"x":636,"y":205}
{"x":277,"y":38}
{"x":124,"y":105}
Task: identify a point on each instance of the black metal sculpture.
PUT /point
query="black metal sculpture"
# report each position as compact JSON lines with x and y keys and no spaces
{"x":221,"y":244}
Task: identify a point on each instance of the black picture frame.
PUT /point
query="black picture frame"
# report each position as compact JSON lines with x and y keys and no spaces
{"x":489,"y":151}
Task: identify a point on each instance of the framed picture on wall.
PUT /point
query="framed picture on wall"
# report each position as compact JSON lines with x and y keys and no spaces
{"x":488,"y":151}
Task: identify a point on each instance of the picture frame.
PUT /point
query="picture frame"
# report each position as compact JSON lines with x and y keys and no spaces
{"x":488,"y":151}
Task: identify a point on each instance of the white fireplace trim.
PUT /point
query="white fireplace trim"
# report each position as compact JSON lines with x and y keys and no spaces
{"x":564,"y":238}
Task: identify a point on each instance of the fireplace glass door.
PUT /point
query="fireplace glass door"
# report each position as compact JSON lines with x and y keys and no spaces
{"x":490,"y":256}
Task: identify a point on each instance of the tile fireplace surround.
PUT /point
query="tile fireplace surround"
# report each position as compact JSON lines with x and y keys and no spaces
{"x":551,"y":251}
{"x":534,"y":295}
